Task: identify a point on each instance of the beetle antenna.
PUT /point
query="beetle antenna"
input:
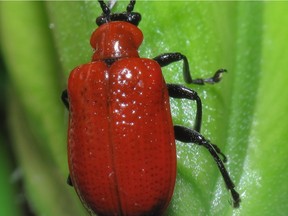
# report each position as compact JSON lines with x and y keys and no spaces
{"x":130,"y":6}
{"x":111,"y":4}
{"x":105,"y":8}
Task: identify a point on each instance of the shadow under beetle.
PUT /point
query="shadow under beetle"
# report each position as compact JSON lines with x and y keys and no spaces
{"x":121,"y":140}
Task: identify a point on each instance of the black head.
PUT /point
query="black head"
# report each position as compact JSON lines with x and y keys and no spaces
{"x":128,"y":16}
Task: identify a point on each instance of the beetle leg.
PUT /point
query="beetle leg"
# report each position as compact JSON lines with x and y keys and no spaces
{"x":181,"y":92}
{"x":69,"y":181}
{"x":168,"y":58}
{"x":130,"y":6}
{"x":64,"y":98}
{"x":186,"y":135}
{"x":105,"y":8}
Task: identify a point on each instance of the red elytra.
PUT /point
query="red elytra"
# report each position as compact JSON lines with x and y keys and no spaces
{"x":121,"y":140}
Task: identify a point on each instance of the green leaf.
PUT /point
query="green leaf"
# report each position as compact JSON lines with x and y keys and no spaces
{"x":9,"y":200}
{"x":244,"y":114}
{"x":36,"y":115}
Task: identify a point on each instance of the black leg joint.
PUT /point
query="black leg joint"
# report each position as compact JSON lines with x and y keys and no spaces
{"x":179,"y":91}
{"x":182,"y":92}
{"x":168,"y":58}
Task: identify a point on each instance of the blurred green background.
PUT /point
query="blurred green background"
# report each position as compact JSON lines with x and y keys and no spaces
{"x":245,"y":114}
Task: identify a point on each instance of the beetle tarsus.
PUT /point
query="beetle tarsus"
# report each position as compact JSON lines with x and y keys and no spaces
{"x":216,"y":78}
{"x":187,"y":135}
{"x":236,"y":198}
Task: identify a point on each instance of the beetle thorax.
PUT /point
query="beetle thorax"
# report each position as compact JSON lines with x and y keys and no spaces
{"x":116,"y":40}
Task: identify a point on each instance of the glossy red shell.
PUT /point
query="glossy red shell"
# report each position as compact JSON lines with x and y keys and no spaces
{"x":122,"y":157}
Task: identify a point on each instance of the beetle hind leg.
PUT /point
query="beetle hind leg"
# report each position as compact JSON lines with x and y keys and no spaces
{"x":187,"y":135}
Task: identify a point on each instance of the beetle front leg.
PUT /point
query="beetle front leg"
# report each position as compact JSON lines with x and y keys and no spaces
{"x":64,"y":98}
{"x":187,"y":135}
{"x":181,"y":92}
{"x":168,"y":58}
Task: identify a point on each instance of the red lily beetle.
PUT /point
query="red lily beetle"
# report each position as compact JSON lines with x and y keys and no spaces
{"x":121,"y":140}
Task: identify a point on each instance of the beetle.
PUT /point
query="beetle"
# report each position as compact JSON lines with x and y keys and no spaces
{"x":121,"y":140}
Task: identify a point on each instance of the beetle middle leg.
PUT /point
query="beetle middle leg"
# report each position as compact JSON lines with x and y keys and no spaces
{"x":181,"y":92}
{"x":187,"y":135}
{"x":168,"y":58}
